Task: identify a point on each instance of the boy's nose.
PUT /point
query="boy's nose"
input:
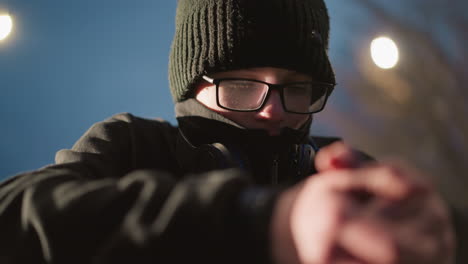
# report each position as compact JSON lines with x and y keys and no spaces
{"x":273,"y":109}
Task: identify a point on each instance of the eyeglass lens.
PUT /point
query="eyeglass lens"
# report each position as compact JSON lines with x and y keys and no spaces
{"x":304,"y":98}
{"x":241,"y":94}
{"x":248,"y":95}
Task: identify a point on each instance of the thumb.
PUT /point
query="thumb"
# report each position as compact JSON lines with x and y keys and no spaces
{"x":339,"y":156}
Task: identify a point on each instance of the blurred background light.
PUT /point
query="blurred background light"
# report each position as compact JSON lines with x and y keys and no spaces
{"x":6,"y":24}
{"x":384,"y":52}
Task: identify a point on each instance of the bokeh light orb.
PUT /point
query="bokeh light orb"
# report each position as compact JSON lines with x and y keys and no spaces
{"x":384,"y":52}
{"x":6,"y":25}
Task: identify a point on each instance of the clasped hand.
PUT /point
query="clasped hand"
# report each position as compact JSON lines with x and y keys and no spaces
{"x":359,"y":212}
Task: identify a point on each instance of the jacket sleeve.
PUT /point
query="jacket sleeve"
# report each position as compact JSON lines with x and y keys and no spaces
{"x":90,"y":208}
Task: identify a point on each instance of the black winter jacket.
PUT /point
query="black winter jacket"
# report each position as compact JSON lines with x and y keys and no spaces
{"x":123,"y":195}
{"x":129,"y":192}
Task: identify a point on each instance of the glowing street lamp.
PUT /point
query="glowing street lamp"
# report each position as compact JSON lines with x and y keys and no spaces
{"x":384,"y":52}
{"x":6,"y":25}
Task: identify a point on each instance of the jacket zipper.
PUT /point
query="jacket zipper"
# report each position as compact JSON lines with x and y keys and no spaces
{"x":274,"y":171}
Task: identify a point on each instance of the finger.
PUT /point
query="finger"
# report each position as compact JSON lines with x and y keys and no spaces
{"x":326,"y":217}
{"x":365,"y":240}
{"x":338,"y":156}
{"x":416,"y":246}
{"x":425,"y":235}
{"x":422,"y":180}
{"x":383,"y":181}
{"x":315,"y":219}
{"x":420,"y":234}
{"x":332,"y":190}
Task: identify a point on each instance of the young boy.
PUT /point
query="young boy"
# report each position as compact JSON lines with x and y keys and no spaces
{"x":239,"y":180}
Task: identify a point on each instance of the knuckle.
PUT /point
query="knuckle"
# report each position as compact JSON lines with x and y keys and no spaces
{"x":392,"y":175}
{"x":390,"y":171}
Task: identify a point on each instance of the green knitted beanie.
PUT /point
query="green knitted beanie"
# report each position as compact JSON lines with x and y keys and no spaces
{"x":221,"y":35}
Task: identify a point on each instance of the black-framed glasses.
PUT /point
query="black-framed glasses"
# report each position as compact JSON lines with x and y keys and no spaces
{"x":247,"y":95}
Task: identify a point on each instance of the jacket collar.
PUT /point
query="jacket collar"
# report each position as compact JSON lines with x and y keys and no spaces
{"x":268,"y":159}
{"x":204,"y":126}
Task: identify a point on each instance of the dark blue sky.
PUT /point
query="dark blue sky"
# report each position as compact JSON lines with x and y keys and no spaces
{"x":69,"y":64}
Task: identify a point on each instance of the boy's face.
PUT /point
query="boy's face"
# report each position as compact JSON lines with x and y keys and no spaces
{"x":271,"y":117}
